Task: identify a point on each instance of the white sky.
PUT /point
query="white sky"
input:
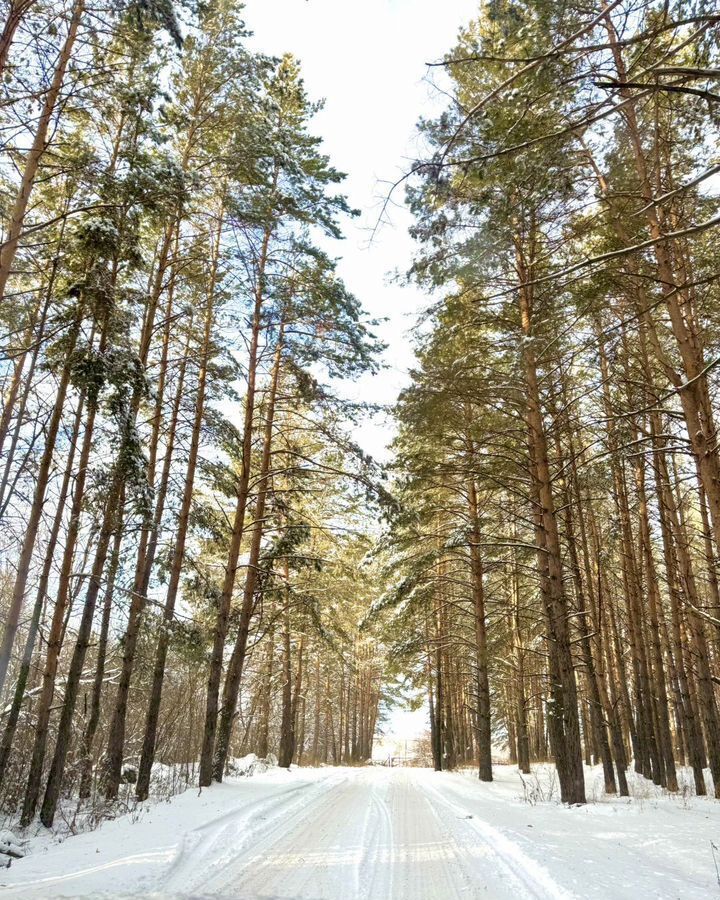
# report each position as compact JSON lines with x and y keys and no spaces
{"x":366,"y":59}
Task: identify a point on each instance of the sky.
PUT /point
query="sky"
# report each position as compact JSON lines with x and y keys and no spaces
{"x":366,"y":60}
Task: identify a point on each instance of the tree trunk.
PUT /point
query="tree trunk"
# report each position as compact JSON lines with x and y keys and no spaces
{"x":567,"y":745}
{"x":484,"y":733}
{"x":93,"y":718}
{"x":36,"y":508}
{"x":148,"y":539}
{"x":36,"y":152}
{"x":287,"y":723}
{"x":178,"y":555}
{"x":223,"y":614}
{"x":237,"y":659}
{"x":22,"y":680}
{"x":111,"y":520}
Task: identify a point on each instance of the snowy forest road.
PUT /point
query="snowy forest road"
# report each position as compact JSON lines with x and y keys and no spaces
{"x":366,"y":833}
{"x":383,"y":834}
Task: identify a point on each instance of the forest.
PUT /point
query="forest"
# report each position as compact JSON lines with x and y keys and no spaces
{"x":560,"y":507}
{"x":199,"y":560}
{"x":182,"y":503}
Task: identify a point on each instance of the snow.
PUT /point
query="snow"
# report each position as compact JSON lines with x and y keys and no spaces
{"x":9,"y":845}
{"x":251,"y":765}
{"x":374,"y":832}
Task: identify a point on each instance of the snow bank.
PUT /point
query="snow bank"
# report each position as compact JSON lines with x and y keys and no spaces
{"x":652,"y":844}
{"x":246,"y":766}
{"x":130,"y":855}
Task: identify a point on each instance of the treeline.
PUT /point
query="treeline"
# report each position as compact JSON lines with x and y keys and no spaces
{"x":182,"y":510}
{"x":556,"y":561}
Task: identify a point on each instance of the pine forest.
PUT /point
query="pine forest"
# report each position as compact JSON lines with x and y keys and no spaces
{"x":360,"y":453}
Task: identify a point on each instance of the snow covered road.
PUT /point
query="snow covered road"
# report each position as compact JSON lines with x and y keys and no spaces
{"x":406,"y":834}
{"x":368,"y":833}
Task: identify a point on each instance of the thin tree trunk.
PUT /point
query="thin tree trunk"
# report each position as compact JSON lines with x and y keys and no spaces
{"x":178,"y":555}
{"x":223,"y":613}
{"x":93,"y":718}
{"x":111,"y":521}
{"x":145,"y":560}
{"x":567,"y":745}
{"x":16,"y":13}
{"x":237,"y":659}
{"x":9,"y":247}
{"x":287,"y":724}
{"x":34,"y":626}
{"x":484,"y":733}
{"x":35,"y":513}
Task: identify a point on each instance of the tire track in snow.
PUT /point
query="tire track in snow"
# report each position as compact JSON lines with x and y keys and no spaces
{"x":425,"y":858}
{"x":532,"y":877}
{"x":313,"y":852}
{"x":207,"y":851}
{"x":347,"y":834}
{"x":374,"y":874}
{"x":366,"y":835}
